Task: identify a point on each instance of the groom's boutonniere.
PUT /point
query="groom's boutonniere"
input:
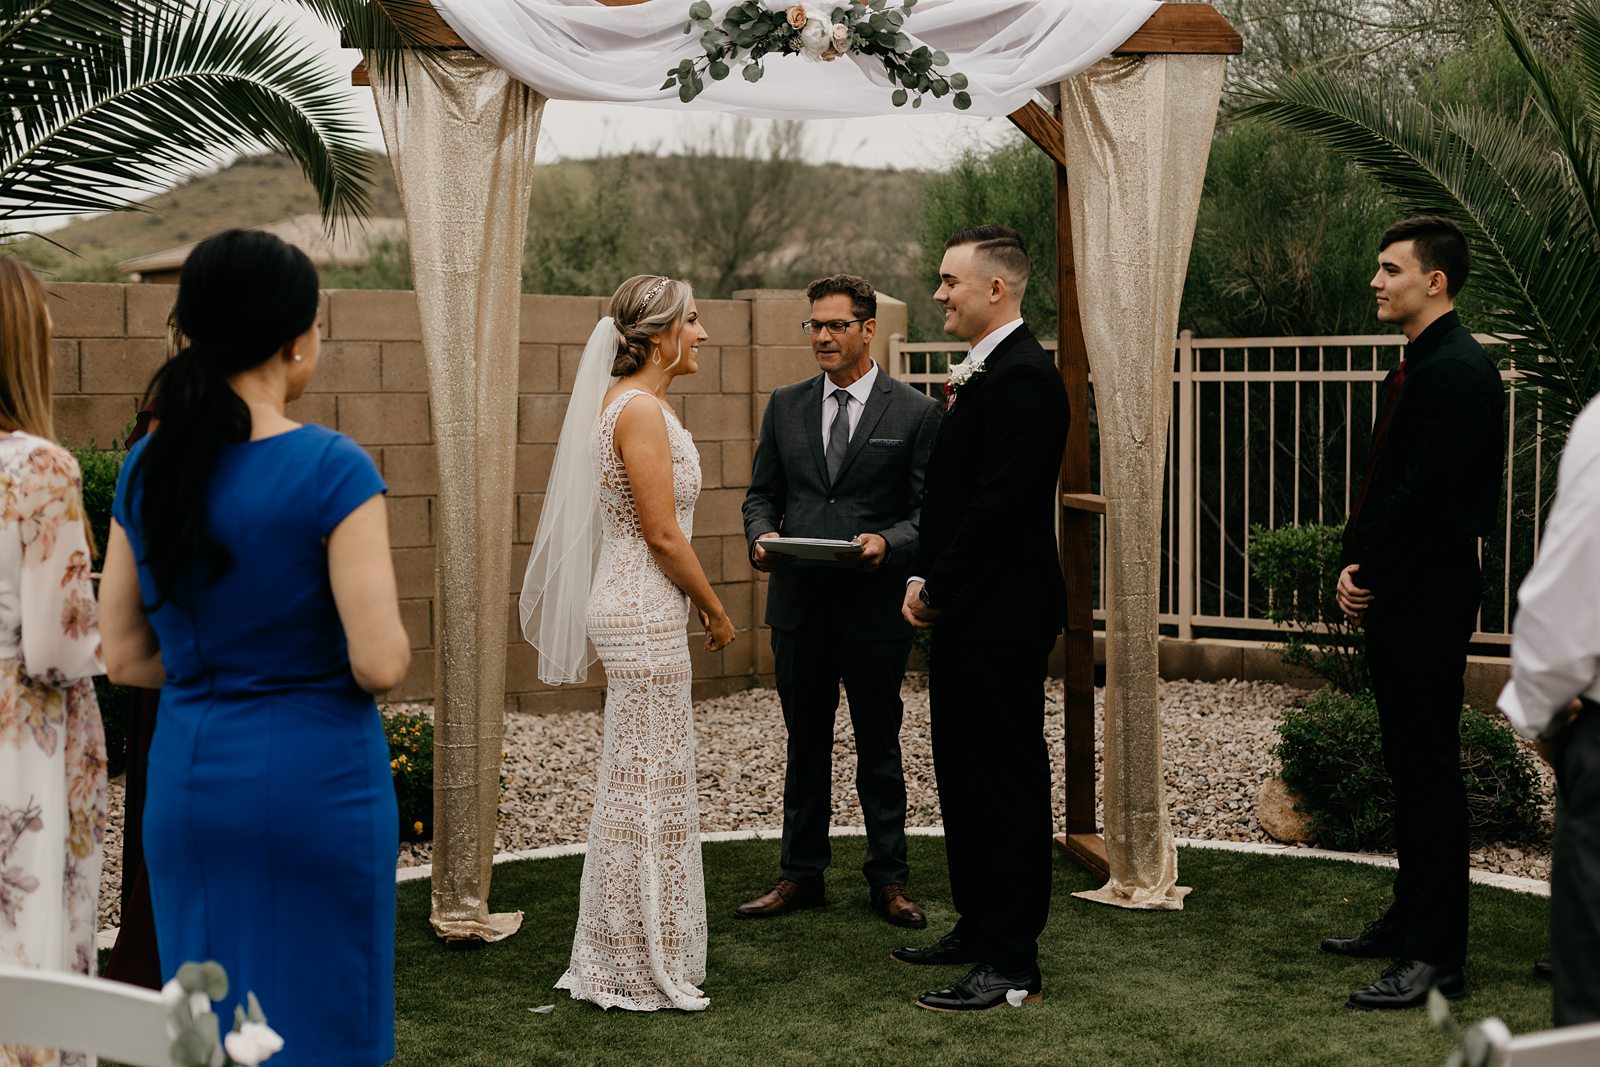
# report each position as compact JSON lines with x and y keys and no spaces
{"x":960,"y":374}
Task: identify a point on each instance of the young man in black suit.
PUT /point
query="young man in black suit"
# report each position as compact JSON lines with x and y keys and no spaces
{"x":988,"y":581}
{"x":841,"y":455}
{"x":1410,"y":575}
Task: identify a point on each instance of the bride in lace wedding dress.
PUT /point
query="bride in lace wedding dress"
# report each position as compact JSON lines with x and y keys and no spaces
{"x":611,"y":577}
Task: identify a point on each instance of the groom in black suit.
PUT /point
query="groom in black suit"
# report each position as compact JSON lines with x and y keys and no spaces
{"x":841,"y":456}
{"x":987,"y":578}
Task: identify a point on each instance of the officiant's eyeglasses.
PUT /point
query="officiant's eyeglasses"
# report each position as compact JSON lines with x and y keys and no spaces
{"x":812,"y":327}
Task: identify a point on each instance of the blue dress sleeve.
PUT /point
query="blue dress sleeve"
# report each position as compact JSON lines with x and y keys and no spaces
{"x":346,"y":479}
{"x":122,"y":505}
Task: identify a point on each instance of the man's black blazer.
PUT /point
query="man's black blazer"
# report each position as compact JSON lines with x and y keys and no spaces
{"x":1436,"y":484}
{"x":988,"y":548}
{"x":878,"y":490}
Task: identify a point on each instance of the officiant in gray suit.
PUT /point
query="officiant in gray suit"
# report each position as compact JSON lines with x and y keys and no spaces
{"x":841,"y":456}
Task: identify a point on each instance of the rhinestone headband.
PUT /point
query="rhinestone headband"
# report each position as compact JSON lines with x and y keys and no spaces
{"x":649,"y":296}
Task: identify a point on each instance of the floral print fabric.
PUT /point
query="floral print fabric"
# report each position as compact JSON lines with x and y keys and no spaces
{"x":52,"y":747}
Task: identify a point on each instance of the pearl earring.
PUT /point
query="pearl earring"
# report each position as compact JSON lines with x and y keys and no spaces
{"x":298,"y":357}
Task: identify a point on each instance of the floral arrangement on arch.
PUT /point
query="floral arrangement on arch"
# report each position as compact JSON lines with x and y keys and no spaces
{"x":752,"y":30}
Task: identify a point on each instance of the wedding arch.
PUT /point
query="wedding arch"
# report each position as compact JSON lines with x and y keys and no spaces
{"x":1135,"y":85}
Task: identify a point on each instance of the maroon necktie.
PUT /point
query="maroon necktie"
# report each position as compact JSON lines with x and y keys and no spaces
{"x":1379,"y":430}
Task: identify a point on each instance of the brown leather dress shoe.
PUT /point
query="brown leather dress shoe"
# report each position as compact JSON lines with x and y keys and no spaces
{"x":784,"y":896}
{"x":894,"y":903}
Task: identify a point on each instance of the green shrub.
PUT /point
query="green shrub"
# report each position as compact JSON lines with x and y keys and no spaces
{"x":100,"y":470}
{"x":1299,"y":566}
{"x":1332,"y":756}
{"x":410,"y":740}
{"x":923,"y":641}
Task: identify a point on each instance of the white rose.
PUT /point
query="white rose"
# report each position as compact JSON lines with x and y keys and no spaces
{"x":252,"y":1043}
{"x":841,"y":38}
{"x":816,"y":37}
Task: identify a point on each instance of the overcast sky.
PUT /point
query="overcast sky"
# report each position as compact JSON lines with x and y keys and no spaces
{"x":573,"y":130}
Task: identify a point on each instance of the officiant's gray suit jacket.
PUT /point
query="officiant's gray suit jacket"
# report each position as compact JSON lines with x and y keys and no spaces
{"x":878,"y":490}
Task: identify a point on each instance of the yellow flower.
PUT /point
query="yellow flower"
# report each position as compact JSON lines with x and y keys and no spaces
{"x":416,"y":827}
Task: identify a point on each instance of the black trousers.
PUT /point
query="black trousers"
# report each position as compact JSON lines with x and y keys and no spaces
{"x":1417,"y":654}
{"x":1575,"y":875}
{"x":993,"y":767}
{"x":810,"y":662}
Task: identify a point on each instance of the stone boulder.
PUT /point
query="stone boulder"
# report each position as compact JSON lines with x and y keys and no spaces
{"x":1275,"y":809}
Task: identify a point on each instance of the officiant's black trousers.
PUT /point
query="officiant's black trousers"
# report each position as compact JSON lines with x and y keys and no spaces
{"x":1417,"y":655}
{"x":810,"y":662}
{"x":987,"y":716}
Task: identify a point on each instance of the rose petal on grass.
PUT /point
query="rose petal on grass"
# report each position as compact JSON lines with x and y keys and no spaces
{"x":1015,"y":997}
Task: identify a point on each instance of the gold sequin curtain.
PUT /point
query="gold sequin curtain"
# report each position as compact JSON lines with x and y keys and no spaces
{"x":1138,"y":131}
{"x":461,"y":136}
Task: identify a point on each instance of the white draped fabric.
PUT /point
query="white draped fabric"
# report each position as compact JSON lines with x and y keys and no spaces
{"x":1138,"y":132}
{"x":462,"y":141}
{"x":579,"y":50}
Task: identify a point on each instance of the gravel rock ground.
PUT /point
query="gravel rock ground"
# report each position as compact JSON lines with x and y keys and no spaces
{"x":1218,"y":738}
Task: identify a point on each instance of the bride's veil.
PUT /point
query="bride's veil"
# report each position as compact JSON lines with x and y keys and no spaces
{"x":555,"y":589}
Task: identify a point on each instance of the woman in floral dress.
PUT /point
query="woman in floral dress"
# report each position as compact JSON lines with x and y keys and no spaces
{"x":52,"y":747}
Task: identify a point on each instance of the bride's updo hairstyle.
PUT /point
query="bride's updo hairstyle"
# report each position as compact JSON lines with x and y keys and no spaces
{"x":243,"y":296}
{"x":644,"y":307}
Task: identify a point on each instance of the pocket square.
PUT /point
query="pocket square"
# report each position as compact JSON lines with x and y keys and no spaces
{"x":886,"y":442}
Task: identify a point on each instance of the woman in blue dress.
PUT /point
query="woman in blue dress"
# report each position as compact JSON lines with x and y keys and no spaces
{"x":248,"y":576}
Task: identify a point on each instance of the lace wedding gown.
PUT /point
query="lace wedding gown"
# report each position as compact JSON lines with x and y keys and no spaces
{"x":641,"y":937}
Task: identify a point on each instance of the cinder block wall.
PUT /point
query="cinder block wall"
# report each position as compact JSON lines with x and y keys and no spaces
{"x":372,"y":384}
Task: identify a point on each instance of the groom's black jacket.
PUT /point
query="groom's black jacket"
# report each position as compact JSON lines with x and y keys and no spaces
{"x":988,"y":545}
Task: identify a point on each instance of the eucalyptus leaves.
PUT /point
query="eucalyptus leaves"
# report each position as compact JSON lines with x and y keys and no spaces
{"x":196,"y":1035}
{"x":752,"y":30}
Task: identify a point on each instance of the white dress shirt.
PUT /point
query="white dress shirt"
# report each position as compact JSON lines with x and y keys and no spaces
{"x":1555,"y":655}
{"x":858,"y":390}
{"x":990,"y":342}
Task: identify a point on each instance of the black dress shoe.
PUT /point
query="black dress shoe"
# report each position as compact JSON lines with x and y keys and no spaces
{"x":1406,"y":985}
{"x":1375,"y":941}
{"x":948,"y":951}
{"x":984,"y":988}
{"x":1543,"y":969}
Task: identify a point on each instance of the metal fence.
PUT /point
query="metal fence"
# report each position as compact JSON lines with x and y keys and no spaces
{"x":1273,"y":431}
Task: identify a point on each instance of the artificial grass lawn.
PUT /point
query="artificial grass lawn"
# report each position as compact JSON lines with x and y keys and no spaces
{"x":1234,"y":978}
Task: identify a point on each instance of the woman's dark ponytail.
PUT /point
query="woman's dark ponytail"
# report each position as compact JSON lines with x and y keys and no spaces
{"x":242,"y":296}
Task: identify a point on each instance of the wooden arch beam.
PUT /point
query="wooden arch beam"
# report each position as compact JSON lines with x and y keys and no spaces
{"x":1173,"y":29}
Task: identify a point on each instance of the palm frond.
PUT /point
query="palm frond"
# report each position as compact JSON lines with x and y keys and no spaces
{"x":1532,"y":236}
{"x":1570,"y":133}
{"x":382,"y":29}
{"x":106,"y":97}
{"x":1586,"y":53}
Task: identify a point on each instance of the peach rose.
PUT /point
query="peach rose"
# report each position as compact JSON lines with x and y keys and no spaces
{"x":796,"y":15}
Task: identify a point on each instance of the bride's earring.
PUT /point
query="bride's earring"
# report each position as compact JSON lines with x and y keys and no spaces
{"x":655,"y":357}
{"x":297,"y":357}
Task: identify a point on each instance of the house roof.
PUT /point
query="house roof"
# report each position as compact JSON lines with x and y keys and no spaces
{"x":349,"y":246}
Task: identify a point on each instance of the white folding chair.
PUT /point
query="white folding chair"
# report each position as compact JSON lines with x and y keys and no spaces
{"x":47,"y":1009}
{"x":1568,"y":1046}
